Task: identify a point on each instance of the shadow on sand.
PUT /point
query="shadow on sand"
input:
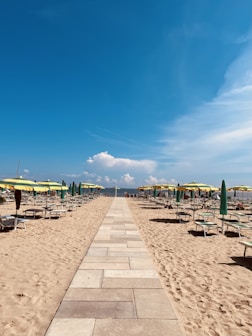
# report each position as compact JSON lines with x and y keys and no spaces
{"x":169,"y":220}
{"x":241,"y":261}
{"x":200,"y":233}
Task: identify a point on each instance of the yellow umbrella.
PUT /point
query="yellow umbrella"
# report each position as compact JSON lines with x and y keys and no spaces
{"x":241,"y":188}
{"x":195,"y":186}
{"x":87,"y":185}
{"x":145,"y":187}
{"x":164,"y":186}
{"x":53,"y":185}
{"x":18,"y":184}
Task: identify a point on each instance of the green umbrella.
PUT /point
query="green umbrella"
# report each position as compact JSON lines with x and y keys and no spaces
{"x":223,"y":202}
{"x":178,"y":196}
{"x":79,"y":189}
{"x":73,"y":189}
{"x":62,"y":194}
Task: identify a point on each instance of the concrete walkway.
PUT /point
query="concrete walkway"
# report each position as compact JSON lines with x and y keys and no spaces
{"x":116,"y":290}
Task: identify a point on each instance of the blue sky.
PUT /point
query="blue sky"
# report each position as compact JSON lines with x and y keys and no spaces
{"x":126,"y":92}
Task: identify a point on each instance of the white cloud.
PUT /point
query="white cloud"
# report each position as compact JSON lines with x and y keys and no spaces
{"x":216,"y":138}
{"x":107,"y":161}
{"x":127,"y":179}
{"x":151,"y":180}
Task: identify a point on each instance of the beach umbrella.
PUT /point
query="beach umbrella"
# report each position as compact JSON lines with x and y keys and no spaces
{"x":145,"y":187}
{"x":164,"y":186}
{"x":17,"y":194}
{"x":73,"y":189}
{"x":87,"y":185}
{"x":79,"y":189}
{"x":223,"y":202}
{"x":178,"y":196}
{"x":62,"y":194}
{"x":99,"y":187}
{"x":18,"y":184}
{"x":195,"y":186}
{"x":241,"y":188}
{"x":53,"y":185}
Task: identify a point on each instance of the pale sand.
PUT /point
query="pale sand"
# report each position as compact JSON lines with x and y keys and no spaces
{"x":38,"y":264}
{"x":204,"y":277}
{"x":207,"y":279}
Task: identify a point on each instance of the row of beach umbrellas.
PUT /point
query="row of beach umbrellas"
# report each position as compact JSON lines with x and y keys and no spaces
{"x":192,"y":186}
{"x":19,"y":184}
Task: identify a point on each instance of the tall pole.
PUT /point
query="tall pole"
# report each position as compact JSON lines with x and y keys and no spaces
{"x":18,"y":168}
{"x":115,"y":191}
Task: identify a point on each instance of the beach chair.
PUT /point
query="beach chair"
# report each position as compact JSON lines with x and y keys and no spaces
{"x":183,"y":216}
{"x":246,"y":245}
{"x":206,"y":226}
{"x":238,"y":226}
{"x":11,"y":223}
{"x":206,"y":215}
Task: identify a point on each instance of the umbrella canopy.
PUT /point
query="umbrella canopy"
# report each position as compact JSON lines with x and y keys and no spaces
{"x":241,"y":188}
{"x":145,"y":187}
{"x":53,"y":185}
{"x":223,"y":199}
{"x":87,"y":185}
{"x":195,"y":186}
{"x":18,"y":183}
{"x":164,"y":186}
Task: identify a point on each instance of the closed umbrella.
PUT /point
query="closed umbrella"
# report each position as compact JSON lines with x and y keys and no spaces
{"x":223,"y":202}
{"x":73,"y":189}
{"x":79,"y":189}
{"x":178,"y":196}
{"x":17,"y":194}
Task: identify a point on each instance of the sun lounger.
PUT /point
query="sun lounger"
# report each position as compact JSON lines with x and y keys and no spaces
{"x":206,"y":215}
{"x":238,"y":226}
{"x":183,"y":215}
{"x":33,"y":212}
{"x":206,"y":226}
{"x":246,"y":245}
{"x":56,"y":213}
{"x":11,"y":222}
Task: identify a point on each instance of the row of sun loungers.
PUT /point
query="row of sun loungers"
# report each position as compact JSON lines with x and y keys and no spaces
{"x":45,"y":209}
{"x":210,"y":220}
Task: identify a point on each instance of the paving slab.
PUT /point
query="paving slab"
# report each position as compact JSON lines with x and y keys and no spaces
{"x":137,"y":327}
{"x":73,"y":327}
{"x":106,"y":265}
{"x":87,"y":279}
{"x":95,"y":309}
{"x":99,"y":294}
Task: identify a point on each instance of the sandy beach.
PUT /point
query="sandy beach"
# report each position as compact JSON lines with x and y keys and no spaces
{"x":38,"y":264}
{"x":207,"y":279}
